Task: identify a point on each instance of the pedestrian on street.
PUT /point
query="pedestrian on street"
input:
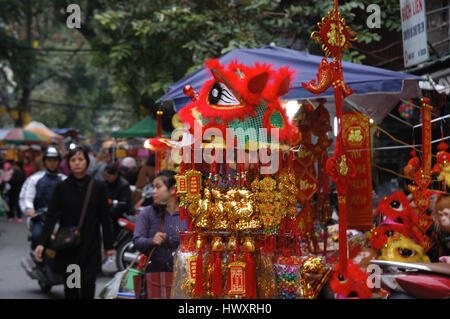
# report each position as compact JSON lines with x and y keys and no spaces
{"x":28,"y":167}
{"x":65,"y":207}
{"x":37,"y":190}
{"x":164,"y":212}
{"x":145,"y":177}
{"x":16,"y":182}
{"x":99,"y":167}
{"x":5,"y":187}
{"x":128,"y":169}
{"x":119,"y":196}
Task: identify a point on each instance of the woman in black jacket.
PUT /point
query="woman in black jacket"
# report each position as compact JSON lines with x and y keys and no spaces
{"x":65,"y":208}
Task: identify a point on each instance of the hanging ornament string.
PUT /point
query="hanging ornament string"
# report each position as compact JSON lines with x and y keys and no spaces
{"x":230,"y":182}
{"x":291,"y":161}
{"x":216,"y":171}
{"x":211,"y":171}
{"x":243,"y":175}
{"x":340,"y":156}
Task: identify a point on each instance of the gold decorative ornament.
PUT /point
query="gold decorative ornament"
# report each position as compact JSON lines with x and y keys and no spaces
{"x":217,"y":244}
{"x":333,"y":34}
{"x":232,"y":243}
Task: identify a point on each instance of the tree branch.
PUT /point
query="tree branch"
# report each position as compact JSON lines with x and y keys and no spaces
{"x":48,"y":77}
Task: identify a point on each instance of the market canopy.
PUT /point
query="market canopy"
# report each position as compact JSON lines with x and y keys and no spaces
{"x":377,"y":90}
{"x":19,"y":136}
{"x":144,"y":128}
{"x":43,"y":131}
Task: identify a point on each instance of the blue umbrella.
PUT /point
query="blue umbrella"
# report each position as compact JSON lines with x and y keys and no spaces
{"x":377,"y":90}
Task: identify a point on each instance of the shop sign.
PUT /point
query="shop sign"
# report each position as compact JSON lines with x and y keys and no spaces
{"x":414,"y":32}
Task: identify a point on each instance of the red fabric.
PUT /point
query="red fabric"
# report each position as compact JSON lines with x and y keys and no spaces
{"x":396,"y":215}
{"x":250,"y":276}
{"x":28,"y":169}
{"x":251,"y":85}
{"x":198,"y":290}
{"x":159,"y":285}
{"x":353,"y":282}
{"x":217,"y":276}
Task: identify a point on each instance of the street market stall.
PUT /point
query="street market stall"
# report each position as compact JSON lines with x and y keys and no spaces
{"x":253,"y":185}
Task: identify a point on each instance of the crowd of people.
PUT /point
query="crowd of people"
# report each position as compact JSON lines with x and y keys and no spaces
{"x":13,"y":174}
{"x":68,"y":185}
{"x":59,"y":184}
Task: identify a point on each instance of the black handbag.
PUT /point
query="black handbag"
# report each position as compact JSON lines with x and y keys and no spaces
{"x":69,"y":236}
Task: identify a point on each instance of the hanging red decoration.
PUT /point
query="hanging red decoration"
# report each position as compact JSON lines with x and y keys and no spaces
{"x":413,"y":165}
{"x":442,"y":167}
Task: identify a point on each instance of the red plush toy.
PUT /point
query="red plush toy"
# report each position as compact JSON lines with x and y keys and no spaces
{"x":240,"y":96}
{"x":396,"y":216}
{"x":353,"y":285}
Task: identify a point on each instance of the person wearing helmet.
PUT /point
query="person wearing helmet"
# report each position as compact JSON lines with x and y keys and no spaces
{"x":37,"y":190}
{"x":128,"y":169}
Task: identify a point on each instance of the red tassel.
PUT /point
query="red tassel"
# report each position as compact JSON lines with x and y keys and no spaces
{"x":217,"y":276}
{"x":198,"y":290}
{"x":250,"y":279}
{"x":183,"y":213}
{"x":190,"y":225}
{"x":343,"y":238}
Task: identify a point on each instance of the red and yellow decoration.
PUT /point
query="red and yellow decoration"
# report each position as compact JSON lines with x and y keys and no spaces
{"x":334,"y":35}
{"x":422,"y":179}
{"x":356,"y":131}
{"x":442,"y":167}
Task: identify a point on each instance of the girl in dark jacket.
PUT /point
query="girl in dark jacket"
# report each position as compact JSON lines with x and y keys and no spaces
{"x":148,"y":233}
{"x":65,"y":208}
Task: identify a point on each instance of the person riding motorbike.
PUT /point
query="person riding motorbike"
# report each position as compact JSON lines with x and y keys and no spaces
{"x":37,"y":190}
{"x":119,"y":196}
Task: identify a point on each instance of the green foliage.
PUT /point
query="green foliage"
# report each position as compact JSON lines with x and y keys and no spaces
{"x":150,"y":44}
{"x":139,"y":47}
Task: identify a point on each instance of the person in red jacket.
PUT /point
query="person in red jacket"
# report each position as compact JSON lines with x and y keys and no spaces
{"x":28,"y":167}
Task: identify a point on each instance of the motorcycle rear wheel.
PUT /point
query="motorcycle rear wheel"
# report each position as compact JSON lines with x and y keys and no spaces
{"x":126,"y":248}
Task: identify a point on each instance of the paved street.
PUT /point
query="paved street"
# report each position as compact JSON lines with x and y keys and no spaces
{"x":14,"y":282}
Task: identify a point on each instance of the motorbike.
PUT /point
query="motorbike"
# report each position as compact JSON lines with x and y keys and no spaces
{"x":124,"y":246}
{"x":41,"y":271}
{"x":146,"y":197}
{"x":414,"y":280}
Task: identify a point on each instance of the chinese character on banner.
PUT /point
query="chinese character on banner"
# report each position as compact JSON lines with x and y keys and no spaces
{"x":356,"y":136}
{"x":237,"y":278}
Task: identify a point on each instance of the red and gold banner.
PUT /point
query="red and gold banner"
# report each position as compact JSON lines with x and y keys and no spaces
{"x":307,"y":186}
{"x":291,"y":261}
{"x":181,"y":184}
{"x":237,"y":286}
{"x":192,"y":268}
{"x":426,"y":136}
{"x":356,"y":137}
{"x":422,"y":179}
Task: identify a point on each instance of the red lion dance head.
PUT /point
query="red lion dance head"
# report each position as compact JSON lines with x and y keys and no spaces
{"x":396,"y":215}
{"x":242,"y":96}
